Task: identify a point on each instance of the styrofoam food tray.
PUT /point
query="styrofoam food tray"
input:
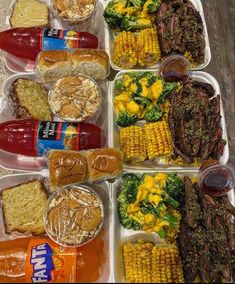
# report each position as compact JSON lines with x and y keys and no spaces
{"x":24,"y":163}
{"x":114,"y":129}
{"x":103,"y":189}
{"x":198,"y":5}
{"x":122,"y":235}
{"x":16,"y":65}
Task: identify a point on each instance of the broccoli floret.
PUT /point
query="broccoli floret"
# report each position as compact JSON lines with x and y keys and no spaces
{"x":119,"y":86}
{"x":142,"y":101}
{"x":134,"y":75}
{"x":168,"y":88}
{"x":153,"y":6}
{"x":153,"y":114}
{"x":174,"y":186}
{"x":125,"y":119}
{"x":147,"y":207}
{"x":137,"y":3}
{"x":112,"y":16}
{"x":125,"y":220}
{"x":152,"y":77}
{"x":133,"y":23}
{"x":130,"y":187}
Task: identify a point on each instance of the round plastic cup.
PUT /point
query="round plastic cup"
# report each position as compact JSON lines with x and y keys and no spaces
{"x":215,"y":179}
{"x":79,"y":22}
{"x":175,"y":68}
{"x":92,"y":117}
{"x":48,"y":207}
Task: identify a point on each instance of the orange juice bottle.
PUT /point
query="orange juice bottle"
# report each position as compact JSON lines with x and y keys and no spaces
{"x":30,"y":260}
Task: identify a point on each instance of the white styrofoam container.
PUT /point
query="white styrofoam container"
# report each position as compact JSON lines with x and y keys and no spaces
{"x":198,"y":5}
{"x":122,"y":235}
{"x":114,"y":129}
{"x":102,"y":189}
{"x":17,"y":65}
{"x":24,"y":163}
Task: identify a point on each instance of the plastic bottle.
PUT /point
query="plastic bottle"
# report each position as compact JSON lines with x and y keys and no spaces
{"x":28,"y":42}
{"x":33,"y":138}
{"x":28,"y":260}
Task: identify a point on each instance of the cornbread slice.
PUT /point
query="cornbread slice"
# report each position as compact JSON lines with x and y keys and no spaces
{"x":29,"y":13}
{"x":30,"y":99}
{"x":23,"y":206}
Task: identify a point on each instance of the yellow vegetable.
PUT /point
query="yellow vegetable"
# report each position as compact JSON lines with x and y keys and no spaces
{"x":121,"y":106}
{"x":160,"y":177}
{"x":133,"y":88}
{"x":154,"y":198}
{"x":123,"y":97}
{"x":132,"y":107}
{"x":120,"y":8}
{"x":145,"y":91}
{"x":127,"y":80}
{"x":141,"y":194}
{"x":149,"y":181}
{"x":156,"y":90}
{"x":124,"y":50}
{"x":149,"y":219}
{"x":132,"y":208}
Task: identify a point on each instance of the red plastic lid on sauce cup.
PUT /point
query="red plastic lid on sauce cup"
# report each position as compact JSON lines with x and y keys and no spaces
{"x":215,"y":179}
{"x":175,"y":68}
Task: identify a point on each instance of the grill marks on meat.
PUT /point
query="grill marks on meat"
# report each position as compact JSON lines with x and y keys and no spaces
{"x":195,"y":122}
{"x":180,"y":29}
{"x":207,"y":236}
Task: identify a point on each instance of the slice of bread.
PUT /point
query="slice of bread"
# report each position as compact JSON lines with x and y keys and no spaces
{"x":30,"y":100}
{"x":23,"y":206}
{"x":29,"y":13}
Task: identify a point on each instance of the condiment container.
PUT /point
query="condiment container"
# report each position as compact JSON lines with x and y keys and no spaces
{"x":175,"y":68}
{"x":215,"y":179}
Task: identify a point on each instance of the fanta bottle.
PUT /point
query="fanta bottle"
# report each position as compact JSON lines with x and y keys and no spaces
{"x":30,"y":260}
{"x":28,"y":42}
{"x":33,"y":138}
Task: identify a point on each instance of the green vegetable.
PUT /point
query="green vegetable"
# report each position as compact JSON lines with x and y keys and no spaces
{"x":171,"y":219}
{"x":168,"y":88}
{"x":153,"y":114}
{"x":153,"y":6}
{"x":130,"y":23}
{"x":119,"y":86}
{"x":137,"y":3}
{"x":147,"y":207}
{"x":134,"y":75}
{"x":174,"y":186}
{"x":125,"y":220}
{"x":171,"y":201}
{"x":112,"y":17}
{"x":162,"y":234}
{"x":125,"y":119}
{"x":142,"y":101}
{"x":152,"y":77}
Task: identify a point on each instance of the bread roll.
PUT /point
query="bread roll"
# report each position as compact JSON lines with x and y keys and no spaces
{"x":54,"y":65}
{"x":66,"y":167}
{"x":105,"y":163}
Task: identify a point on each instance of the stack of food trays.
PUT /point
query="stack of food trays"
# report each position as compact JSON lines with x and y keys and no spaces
{"x":143,"y":215}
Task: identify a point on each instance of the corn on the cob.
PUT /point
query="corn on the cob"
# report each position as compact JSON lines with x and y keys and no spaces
{"x":145,"y":262}
{"x":166,"y":265}
{"x":148,"y":47}
{"x":133,"y":144}
{"x":124,"y":52}
{"x":137,"y":261}
{"x":158,"y":139}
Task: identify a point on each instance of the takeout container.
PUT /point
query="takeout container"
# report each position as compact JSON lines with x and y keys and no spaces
{"x":18,"y":65}
{"x":160,"y":163}
{"x":104,"y":192}
{"x":198,"y":5}
{"x":122,"y":235}
{"x":24,"y":163}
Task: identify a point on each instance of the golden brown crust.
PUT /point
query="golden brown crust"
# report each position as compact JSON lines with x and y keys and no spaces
{"x":49,"y":58}
{"x":104,"y":163}
{"x":66,"y":167}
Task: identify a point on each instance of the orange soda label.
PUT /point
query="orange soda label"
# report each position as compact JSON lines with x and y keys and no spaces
{"x":48,"y":262}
